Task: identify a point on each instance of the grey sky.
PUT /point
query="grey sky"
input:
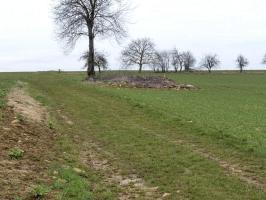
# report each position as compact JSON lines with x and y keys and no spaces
{"x":228,"y":28}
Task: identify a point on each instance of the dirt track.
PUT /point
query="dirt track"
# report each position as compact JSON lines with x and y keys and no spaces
{"x":17,"y":177}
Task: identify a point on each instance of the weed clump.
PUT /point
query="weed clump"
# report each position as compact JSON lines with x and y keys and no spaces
{"x":39,"y":191}
{"x":51,"y":125}
{"x":2,"y":99}
{"x":15,"y":153}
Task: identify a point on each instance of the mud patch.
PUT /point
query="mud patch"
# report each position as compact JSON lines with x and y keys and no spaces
{"x":26,"y":106}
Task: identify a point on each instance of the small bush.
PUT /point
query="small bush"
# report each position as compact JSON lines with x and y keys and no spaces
{"x":51,"y":125}
{"x":39,"y":191}
{"x":16,"y":153}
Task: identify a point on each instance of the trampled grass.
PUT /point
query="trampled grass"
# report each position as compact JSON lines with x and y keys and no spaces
{"x":153,"y":132}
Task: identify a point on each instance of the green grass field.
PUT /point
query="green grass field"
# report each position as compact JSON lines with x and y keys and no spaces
{"x":204,"y":144}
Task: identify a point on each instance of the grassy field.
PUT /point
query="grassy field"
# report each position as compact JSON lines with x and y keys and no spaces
{"x":204,"y":144}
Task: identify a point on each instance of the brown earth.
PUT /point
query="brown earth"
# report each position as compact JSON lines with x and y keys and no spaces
{"x":156,"y":82}
{"x":25,"y":105}
{"x":17,"y":177}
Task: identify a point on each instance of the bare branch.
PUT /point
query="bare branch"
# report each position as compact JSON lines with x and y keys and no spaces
{"x":139,"y":52}
{"x":189,"y":60}
{"x":100,"y":60}
{"x":209,"y":62}
{"x":90,"y":18}
{"x":242,"y":62}
{"x":177,"y":60}
{"x":161,"y":61}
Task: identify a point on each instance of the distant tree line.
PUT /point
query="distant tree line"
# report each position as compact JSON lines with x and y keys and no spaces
{"x":105,"y":18}
{"x":143,"y":52}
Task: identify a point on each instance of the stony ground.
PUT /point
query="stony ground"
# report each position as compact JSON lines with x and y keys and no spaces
{"x":157,"y":82}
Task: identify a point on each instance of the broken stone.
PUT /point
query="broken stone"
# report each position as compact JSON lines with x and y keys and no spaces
{"x":79,"y":171}
{"x":6,"y":129}
{"x":166,"y":195}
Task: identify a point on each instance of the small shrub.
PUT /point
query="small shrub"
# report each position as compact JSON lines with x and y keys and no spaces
{"x":16,"y":153}
{"x":39,"y":191}
{"x":51,"y":125}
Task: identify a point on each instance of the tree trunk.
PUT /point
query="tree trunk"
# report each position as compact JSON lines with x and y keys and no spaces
{"x":99,"y":69}
{"x":91,"y":63}
{"x":181,"y":68}
{"x":140,"y":68}
{"x":241,"y":69}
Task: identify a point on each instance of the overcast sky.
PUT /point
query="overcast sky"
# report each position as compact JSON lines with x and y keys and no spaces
{"x":227,"y":27}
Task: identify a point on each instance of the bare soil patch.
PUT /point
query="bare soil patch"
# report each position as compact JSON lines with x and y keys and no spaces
{"x":156,"y":82}
{"x":25,"y":105}
{"x":17,"y":177}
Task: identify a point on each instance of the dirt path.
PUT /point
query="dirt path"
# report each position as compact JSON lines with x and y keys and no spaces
{"x":229,"y":168}
{"x":17,"y":177}
{"x":130,"y":185}
{"x":26,"y":106}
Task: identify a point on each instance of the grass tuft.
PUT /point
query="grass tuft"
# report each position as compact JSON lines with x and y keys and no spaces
{"x":16,"y":153}
{"x":39,"y":191}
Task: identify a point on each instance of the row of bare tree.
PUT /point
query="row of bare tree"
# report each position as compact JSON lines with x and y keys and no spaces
{"x":143,"y":52}
{"x":105,"y":18}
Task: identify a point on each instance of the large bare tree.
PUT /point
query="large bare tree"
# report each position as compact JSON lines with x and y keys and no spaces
{"x":209,"y":62}
{"x":189,"y":60}
{"x":241,"y":62}
{"x":139,"y":52}
{"x":90,"y":18}
{"x":177,"y":60}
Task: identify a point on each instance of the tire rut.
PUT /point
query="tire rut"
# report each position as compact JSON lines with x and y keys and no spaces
{"x":130,"y":186}
{"x":229,"y":168}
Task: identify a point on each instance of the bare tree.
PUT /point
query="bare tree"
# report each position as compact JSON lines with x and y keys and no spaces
{"x":161,"y":61}
{"x":89,"y":18}
{"x":100,"y":60}
{"x":177,"y":60}
{"x":264,"y":60}
{"x":189,"y":60}
{"x":139,"y":52}
{"x":242,"y":62}
{"x":209,"y":62}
